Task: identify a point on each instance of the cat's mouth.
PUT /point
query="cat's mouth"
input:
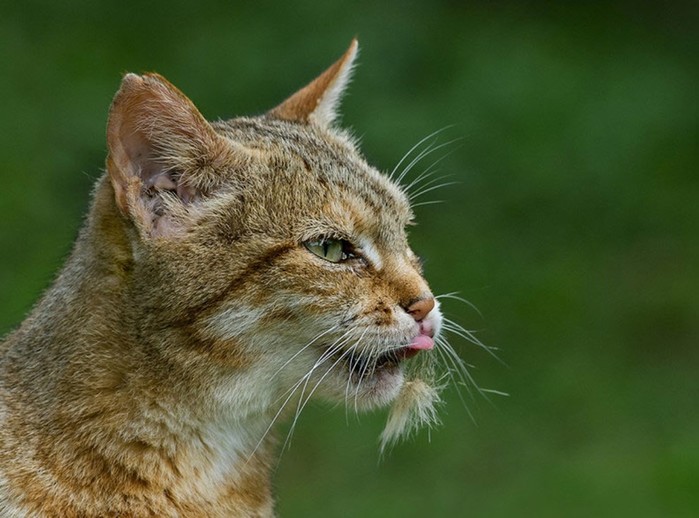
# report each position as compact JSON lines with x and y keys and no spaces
{"x":366,"y":366}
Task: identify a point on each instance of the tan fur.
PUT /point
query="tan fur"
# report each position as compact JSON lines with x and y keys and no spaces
{"x":146,"y":379}
{"x":317,"y":101}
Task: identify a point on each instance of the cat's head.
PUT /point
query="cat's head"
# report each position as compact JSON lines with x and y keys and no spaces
{"x":270,"y":246}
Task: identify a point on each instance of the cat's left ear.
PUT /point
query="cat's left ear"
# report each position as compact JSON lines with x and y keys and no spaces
{"x":317,"y":102}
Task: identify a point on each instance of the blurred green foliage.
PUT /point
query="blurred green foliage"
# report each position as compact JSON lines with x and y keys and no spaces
{"x":573,"y":228}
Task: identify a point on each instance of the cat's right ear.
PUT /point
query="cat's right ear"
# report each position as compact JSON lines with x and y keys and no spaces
{"x":163,"y":154}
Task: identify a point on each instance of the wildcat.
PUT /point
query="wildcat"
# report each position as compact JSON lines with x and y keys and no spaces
{"x":226,"y":273}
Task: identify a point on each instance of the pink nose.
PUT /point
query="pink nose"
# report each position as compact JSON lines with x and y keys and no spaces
{"x":420,"y":309}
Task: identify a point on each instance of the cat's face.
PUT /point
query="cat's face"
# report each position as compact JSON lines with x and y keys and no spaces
{"x":338,"y":277}
{"x":269,"y":246}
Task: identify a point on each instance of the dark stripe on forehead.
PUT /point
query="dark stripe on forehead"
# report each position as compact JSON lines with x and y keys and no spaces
{"x":381,"y":201}
{"x":250,"y":131}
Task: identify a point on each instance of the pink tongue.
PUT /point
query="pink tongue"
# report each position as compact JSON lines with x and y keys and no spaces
{"x":422,"y":342}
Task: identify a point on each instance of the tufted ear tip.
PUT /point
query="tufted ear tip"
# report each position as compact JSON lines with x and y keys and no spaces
{"x":318,"y":101}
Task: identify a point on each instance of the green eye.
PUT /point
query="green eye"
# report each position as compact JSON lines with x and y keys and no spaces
{"x":333,"y":250}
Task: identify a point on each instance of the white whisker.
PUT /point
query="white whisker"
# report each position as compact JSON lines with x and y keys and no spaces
{"x":430,"y":202}
{"x":431,"y":169}
{"x":406,"y":155}
{"x":424,"y":191}
{"x":450,"y":374}
{"x":469,"y":336}
{"x":454,"y":296}
{"x":293,"y":390}
{"x":302,"y":401}
{"x":305,"y":347}
{"x":425,"y":152}
{"x":424,"y":180}
{"x":369,"y":355}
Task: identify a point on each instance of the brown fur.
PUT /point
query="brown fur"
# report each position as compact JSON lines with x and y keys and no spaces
{"x":144,"y":381}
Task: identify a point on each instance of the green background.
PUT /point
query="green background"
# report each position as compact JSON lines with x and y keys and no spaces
{"x":573,"y":227}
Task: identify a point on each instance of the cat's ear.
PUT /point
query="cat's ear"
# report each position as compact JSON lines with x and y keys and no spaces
{"x":318,"y":101}
{"x":163,"y":154}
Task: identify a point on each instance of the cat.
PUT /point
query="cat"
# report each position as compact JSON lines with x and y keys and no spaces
{"x":226,"y":273}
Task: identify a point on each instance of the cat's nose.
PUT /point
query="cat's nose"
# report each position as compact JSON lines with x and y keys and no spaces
{"x":421,"y":308}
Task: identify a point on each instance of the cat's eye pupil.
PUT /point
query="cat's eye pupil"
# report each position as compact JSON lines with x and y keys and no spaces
{"x":333,"y":250}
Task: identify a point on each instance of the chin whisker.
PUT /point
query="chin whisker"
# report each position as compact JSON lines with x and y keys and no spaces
{"x":352,"y":361}
{"x":315,"y":339}
{"x":302,"y":381}
{"x":303,"y":402}
{"x":371,"y":355}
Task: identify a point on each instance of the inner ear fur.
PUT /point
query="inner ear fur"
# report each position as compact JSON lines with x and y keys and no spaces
{"x":163,"y":154}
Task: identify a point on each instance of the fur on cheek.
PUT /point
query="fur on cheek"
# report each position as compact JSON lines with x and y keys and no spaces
{"x":414,"y":407}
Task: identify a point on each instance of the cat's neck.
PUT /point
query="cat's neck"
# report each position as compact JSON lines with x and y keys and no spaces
{"x":172,"y":421}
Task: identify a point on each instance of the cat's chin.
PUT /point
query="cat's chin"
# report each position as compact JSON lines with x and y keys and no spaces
{"x":366,"y":389}
{"x":379,"y":389}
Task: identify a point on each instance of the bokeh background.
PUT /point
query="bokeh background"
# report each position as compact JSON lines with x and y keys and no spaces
{"x":573,"y":227}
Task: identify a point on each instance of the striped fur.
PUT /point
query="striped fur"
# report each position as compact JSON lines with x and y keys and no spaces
{"x":190,"y":317}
